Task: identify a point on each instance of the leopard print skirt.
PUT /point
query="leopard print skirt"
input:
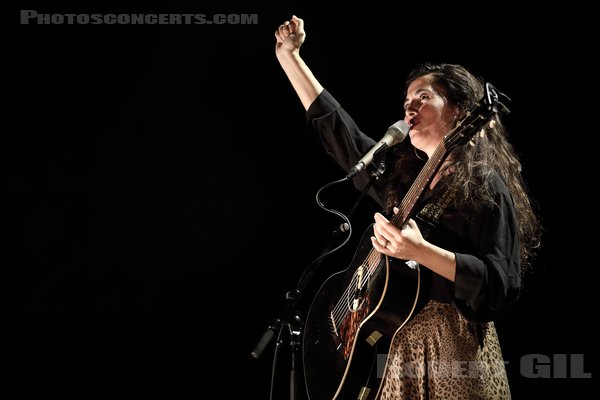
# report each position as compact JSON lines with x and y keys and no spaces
{"x":440,"y":355}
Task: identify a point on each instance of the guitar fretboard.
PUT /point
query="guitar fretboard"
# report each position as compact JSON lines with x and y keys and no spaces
{"x":418,"y":187}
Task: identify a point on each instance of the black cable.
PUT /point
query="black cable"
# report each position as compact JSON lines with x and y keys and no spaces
{"x":345,"y":227}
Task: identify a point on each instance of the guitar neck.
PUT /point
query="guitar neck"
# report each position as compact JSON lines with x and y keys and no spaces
{"x":417,"y":189}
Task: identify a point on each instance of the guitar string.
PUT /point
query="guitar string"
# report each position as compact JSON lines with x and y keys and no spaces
{"x":373,"y":259}
{"x":340,"y":307}
{"x":340,"y":310}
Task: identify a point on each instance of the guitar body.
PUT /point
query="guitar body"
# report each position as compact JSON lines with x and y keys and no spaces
{"x":352,"y":321}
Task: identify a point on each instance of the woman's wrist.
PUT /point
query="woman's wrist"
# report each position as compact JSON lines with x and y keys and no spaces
{"x":288,"y":55}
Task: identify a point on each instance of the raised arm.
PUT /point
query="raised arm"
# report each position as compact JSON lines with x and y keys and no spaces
{"x":290,"y":35}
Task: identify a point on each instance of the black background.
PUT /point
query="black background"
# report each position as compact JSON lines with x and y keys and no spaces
{"x":158,"y":187}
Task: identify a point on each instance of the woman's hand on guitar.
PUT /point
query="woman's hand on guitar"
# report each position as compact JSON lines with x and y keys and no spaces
{"x":394,"y":242}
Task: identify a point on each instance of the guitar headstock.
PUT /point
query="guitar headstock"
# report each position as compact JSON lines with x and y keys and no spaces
{"x":476,"y":118}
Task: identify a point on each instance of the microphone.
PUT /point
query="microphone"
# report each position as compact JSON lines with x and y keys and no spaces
{"x":394,"y":135}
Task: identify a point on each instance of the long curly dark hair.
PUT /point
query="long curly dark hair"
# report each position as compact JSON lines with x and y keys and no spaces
{"x":471,"y":164}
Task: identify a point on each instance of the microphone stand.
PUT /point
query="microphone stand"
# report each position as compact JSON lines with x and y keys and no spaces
{"x":289,"y":315}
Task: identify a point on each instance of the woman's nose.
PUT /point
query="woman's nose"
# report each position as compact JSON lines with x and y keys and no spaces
{"x":412,"y":108}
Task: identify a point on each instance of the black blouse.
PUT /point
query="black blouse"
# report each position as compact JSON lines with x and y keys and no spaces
{"x":485,"y":241}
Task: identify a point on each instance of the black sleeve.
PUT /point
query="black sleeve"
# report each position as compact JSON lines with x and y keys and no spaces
{"x":341,"y":137}
{"x":486,"y":282}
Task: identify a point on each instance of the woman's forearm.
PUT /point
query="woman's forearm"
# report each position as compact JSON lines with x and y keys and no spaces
{"x":301,"y":77}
